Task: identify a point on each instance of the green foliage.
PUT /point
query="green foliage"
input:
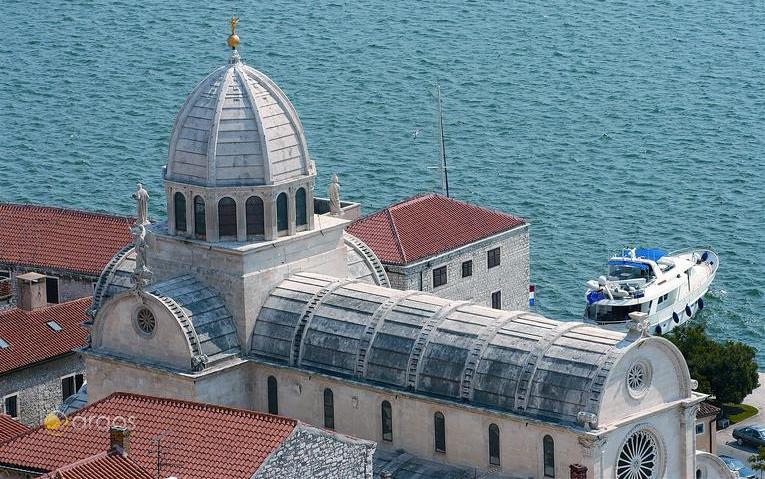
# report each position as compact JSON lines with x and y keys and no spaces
{"x":738,"y":412}
{"x":757,"y":461}
{"x":727,"y":370}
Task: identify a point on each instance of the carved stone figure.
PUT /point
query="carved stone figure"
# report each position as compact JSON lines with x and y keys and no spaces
{"x":142,"y":274}
{"x":141,"y":197}
{"x":334,"y":195}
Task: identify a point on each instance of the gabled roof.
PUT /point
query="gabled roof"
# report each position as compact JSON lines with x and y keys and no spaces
{"x":31,"y":340}
{"x":428,"y":225}
{"x":707,"y":409}
{"x":199,"y":441}
{"x":60,"y":239}
{"x":10,"y":428}
{"x":107,"y":465}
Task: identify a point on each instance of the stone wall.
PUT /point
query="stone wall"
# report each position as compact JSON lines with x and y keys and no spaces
{"x":39,"y":386}
{"x":69,"y":286}
{"x":312,"y":452}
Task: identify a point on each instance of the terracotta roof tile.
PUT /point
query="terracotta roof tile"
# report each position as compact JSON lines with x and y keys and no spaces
{"x":101,"y":466}
{"x":30,"y":339}
{"x":707,"y":409}
{"x":198,"y":440}
{"x":427,"y":225}
{"x":10,"y":428}
{"x":60,"y":239}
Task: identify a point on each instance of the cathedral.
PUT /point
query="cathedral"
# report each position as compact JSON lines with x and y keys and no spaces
{"x":251,"y":294}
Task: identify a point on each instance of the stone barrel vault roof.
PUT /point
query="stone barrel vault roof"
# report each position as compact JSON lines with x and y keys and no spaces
{"x":428,"y":225}
{"x":518,"y":362}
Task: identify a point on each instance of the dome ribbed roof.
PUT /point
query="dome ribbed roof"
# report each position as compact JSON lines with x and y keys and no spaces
{"x":237,"y":128}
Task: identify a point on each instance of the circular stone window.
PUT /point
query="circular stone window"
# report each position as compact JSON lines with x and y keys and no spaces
{"x":638,"y":378}
{"x":145,"y":320}
{"x":639,"y":458}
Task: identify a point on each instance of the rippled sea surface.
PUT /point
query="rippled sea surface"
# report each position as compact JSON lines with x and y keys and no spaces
{"x":603,"y":123}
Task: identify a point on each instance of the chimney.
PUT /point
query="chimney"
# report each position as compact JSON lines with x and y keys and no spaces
{"x":578,"y":471}
{"x":32,"y":295}
{"x":386,"y":475}
{"x":119,"y":440}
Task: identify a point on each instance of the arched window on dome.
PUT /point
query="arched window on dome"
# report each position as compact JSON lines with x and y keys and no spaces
{"x":179,"y":205}
{"x":200,"y":226}
{"x":282,"y":221}
{"x":439,"y":432}
{"x":255,"y":219}
{"x":493,"y":445}
{"x":301,"y":213}
{"x":548,"y":455}
{"x":226,"y":217}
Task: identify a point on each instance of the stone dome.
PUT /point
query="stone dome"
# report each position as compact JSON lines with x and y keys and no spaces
{"x":237,"y":128}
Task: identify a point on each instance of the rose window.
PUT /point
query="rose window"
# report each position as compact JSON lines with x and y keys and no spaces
{"x":145,"y":320}
{"x":638,"y":378}
{"x":639,"y":458}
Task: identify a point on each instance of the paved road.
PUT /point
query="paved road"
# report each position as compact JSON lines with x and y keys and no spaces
{"x":725,"y":442}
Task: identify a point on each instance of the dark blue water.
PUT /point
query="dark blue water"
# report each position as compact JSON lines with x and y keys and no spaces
{"x":604,"y":123}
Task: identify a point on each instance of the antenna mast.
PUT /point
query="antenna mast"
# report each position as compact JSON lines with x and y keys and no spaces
{"x":443,"y":167}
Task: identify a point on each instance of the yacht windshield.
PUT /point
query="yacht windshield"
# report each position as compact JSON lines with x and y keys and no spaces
{"x":622,"y":272}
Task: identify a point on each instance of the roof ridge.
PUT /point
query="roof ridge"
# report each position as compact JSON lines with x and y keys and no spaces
{"x":48,"y":308}
{"x":64,"y":209}
{"x":396,"y":237}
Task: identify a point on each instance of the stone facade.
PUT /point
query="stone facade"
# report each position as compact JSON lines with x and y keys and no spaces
{"x":70,"y":286}
{"x":511,"y":277}
{"x":39,"y":386}
{"x":312,"y":452}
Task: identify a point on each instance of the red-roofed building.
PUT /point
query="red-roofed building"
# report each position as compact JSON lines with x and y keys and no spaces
{"x":197,"y":441}
{"x":10,"y":428}
{"x":68,"y":246}
{"x":451,"y":248}
{"x":39,"y":364}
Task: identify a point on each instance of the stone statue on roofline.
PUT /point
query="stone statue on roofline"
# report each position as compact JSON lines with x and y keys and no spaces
{"x":141,"y":197}
{"x":141,"y":274}
{"x":334,"y":195}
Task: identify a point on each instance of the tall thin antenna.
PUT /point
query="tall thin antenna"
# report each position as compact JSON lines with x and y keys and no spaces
{"x":444,"y":168}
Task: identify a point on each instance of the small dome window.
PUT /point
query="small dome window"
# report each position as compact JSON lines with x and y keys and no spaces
{"x":145,"y":320}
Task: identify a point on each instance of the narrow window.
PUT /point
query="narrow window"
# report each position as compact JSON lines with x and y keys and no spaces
{"x":51,"y":289}
{"x":281,"y":212}
{"x":329,"y":409}
{"x":548,"y":447}
{"x":439,"y":276}
{"x":180,"y":212}
{"x":387,"y":421}
{"x":467,"y":268}
{"x":227,"y":217}
{"x":700,"y":428}
{"x":255,"y":219}
{"x":200,"y":225}
{"x":439,"y":429}
{"x":273,"y":396}
{"x":493,"y":445}
{"x":79,"y":380}
{"x":496,"y":300}
{"x":11,"y":405}
{"x":301,"y":213}
{"x":493,"y":257}
{"x":67,"y":387}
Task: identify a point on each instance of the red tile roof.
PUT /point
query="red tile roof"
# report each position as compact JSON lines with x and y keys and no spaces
{"x":427,"y":225}
{"x":198,"y":440}
{"x":60,"y":239}
{"x":10,"y":428}
{"x":707,"y":409}
{"x":31,"y":340}
{"x":101,"y":466}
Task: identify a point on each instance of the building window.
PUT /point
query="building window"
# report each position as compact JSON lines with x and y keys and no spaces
{"x":51,"y":289}
{"x":467,"y":268}
{"x":329,"y":409}
{"x":273,"y":396}
{"x":11,"y":405}
{"x":493,"y":445}
{"x":200,"y":225}
{"x":493,"y":257}
{"x":301,"y":212}
{"x":439,"y":276}
{"x":496,"y":300}
{"x":227,"y":217}
{"x":439,"y":432}
{"x":700,"y":428}
{"x":387,"y":421}
{"x":255,"y":220}
{"x":70,"y":385}
{"x":180,"y":212}
{"x":282,"y":221}
{"x":548,"y":447}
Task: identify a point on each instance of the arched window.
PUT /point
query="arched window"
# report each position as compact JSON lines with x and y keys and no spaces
{"x":301,"y":213}
{"x":227,"y":217}
{"x":329,"y":408}
{"x":548,"y":452}
{"x":255,"y":220}
{"x":180,"y":212}
{"x":281,"y":212}
{"x":273,"y":396}
{"x":439,"y":432}
{"x":200,"y":226}
{"x":493,"y":445}
{"x":387,"y":421}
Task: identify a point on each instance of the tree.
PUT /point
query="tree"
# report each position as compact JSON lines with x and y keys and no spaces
{"x":726,"y":370}
{"x":757,"y":461}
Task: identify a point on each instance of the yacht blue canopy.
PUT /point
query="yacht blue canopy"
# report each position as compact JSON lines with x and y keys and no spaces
{"x":652,"y":254}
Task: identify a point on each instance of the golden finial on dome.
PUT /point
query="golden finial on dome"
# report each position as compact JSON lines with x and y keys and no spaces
{"x":233,"y":39}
